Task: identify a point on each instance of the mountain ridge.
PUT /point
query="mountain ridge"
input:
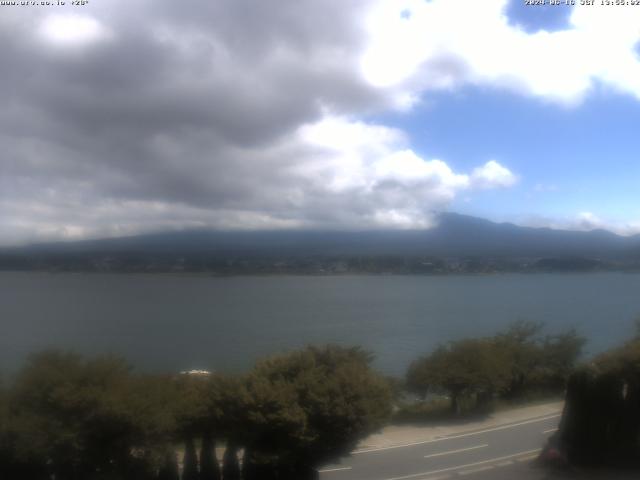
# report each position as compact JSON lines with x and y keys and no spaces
{"x":454,"y":236}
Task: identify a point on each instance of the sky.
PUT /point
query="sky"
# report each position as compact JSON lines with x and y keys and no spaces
{"x":121,"y":117}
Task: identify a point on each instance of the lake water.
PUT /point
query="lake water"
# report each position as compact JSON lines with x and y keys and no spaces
{"x":169,"y":323}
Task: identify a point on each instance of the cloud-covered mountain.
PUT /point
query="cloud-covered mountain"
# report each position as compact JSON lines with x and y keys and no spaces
{"x":455,"y":236}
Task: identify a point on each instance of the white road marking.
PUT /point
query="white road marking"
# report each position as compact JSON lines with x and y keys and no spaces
{"x":459,"y":467}
{"x":475,"y":470}
{"x":506,"y":463}
{"x":550,"y":430}
{"x":391,"y":447}
{"x":502,"y":427}
{"x":456,"y":451}
{"x":452,"y":437}
{"x":337,"y":469}
{"x":527,"y":458}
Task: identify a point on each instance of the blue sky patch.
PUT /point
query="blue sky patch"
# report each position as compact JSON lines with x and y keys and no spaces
{"x":532,"y":18}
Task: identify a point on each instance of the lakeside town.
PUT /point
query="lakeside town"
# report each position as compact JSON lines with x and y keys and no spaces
{"x":311,"y":265}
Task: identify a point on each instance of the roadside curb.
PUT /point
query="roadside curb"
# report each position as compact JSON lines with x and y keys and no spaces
{"x":414,"y":436}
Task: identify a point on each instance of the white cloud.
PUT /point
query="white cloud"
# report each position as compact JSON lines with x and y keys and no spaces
{"x":71,"y":30}
{"x":444,"y":43}
{"x":591,"y":221}
{"x":377,"y":177}
{"x":583,"y":221}
{"x":493,"y":175}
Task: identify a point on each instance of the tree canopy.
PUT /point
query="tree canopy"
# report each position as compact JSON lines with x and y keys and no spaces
{"x":75,"y":418}
{"x":464,"y":368}
{"x":321,"y":400}
{"x":513,"y":362}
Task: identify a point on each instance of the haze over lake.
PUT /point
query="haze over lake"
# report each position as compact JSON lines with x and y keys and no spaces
{"x":172,"y":322}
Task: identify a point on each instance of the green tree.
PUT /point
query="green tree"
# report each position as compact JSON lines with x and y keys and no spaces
{"x":85,"y":418}
{"x":78,"y":411}
{"x":623,"y":361}
{"x":521,"y":342}
{"x":418,"y":378}
{"x":559,"y":353}
{"x":205,"y":404}
{"x":473,"y":368}
{"x":311,"y":406}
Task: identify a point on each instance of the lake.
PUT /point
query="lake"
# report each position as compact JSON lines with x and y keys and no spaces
{"x":176,"y":322}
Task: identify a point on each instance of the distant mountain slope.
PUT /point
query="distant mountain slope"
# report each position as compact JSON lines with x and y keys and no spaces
{"x":454,"y":236}
{"x":464,"y":235}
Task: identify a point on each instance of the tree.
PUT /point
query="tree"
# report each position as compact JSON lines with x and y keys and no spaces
{"x":559,"y":353}
{"x":230,"y":464}
{"x":521,"y":342}
{"x":169,"y":470}
{"x":418,"y":378}
{"x":190,"y":461}
{"x":78,"y":412}
{"x":198,"y":412}
{"x":86,"y":418}
{"x":209,"y":467}
{"x":311,"y":406}
{"x":476,"y":368}
{"x":601,"y":419}
{"x":623,"y":361}
{"x":13,"y":461}
{"x":70,"y":418}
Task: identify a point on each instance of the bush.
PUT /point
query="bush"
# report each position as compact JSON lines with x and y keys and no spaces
{"x":513,"y":365}
{"x":313,"y":405}
{"x":68,"y":417}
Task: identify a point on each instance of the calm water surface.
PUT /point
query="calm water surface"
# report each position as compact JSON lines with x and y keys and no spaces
{"x":167,"y":323}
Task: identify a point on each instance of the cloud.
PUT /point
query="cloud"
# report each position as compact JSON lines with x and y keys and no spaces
{"x":149,"y":115}
{"x":443,"y":44}
{"x":71,"y":30}
{"x":591,"y":221}
{"x":493,"y":175}
{"x":584,"y":221}
{"x":333,"y":173}
{"x":369,"y":176}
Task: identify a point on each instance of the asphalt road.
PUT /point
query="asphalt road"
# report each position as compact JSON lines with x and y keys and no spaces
{"x":504,"y":451}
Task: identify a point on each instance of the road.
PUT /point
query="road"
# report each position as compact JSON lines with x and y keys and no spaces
{"x":501,"y":451}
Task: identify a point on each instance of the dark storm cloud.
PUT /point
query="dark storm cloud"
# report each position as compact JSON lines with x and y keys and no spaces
{"x":175,"y":104}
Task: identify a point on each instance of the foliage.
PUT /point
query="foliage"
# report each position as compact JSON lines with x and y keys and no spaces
{"x":190,"y":461}
{"x":623,"y":361}
{"x":514,"y":363}
{"x":521,"y":343}
{"x":88,"y":418}
{"x":230,"y":464}
{"x":428,"y":411}
{"x":74,"y":418}
{"x":313,"y":405}
{"x":559,"y":354}
{"x":601,"y":419}
{"x":169,"y":470}
{"x":209,"y":467}
{"x":465,"y":368}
